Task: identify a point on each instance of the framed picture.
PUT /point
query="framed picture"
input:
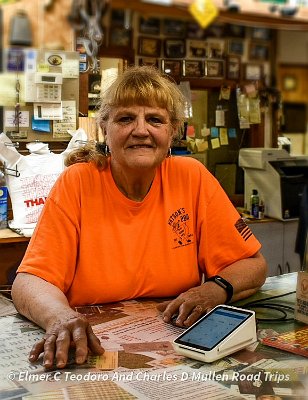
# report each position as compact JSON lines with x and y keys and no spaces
{"x":194,"y":31}
{"x":253,"y":71}
{"x":193,"y":68}
{"x":120,"y":37}
{"x":172,"y":67}
{"x":149,"y":46}
{"x":289,"y":82}
{"x":196,"y":48}
{"x":174,"y":48}
{"x":216,"y":48}
{"x":148,"y":61}
{"x":236,"y":47}
{"x":261,"y":33}
{"x":214,"y":68}
{"x":233,"y":69}
{"x":259,"y":51}
{"x":149,"y":26}
{"x":174,"y":28}
{"x":237,"y":31}
{"x":117,"y":18}
{"x":216,"y":30}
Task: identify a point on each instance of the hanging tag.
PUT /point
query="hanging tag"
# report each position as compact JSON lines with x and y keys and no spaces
{"x":219,"y":117}
{"x":204,"y":11}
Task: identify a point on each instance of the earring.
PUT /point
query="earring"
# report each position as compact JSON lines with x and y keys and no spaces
{"x":106,"y":150}
{"x":169,"y":153}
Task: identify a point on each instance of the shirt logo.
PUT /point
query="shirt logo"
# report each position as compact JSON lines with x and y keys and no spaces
{"x":179,"y":222}
{"x":243,"y":229}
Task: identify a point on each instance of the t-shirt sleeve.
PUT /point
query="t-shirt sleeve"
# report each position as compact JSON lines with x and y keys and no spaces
{"x":224,"y":237}
{"x":52,"y":251}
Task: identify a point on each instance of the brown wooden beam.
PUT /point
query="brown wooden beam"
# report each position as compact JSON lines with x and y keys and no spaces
{"x":267,"y":20}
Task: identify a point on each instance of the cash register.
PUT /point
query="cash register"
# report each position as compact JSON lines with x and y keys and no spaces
{"x":278,"y":177}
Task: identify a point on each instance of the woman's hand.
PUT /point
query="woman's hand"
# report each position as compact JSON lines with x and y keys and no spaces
{"x":189,"y":306}
{"x":70,"y":331}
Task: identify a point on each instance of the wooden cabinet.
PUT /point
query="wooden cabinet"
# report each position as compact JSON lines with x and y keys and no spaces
{"x":12,"y":250}
{"x":278,"y":245}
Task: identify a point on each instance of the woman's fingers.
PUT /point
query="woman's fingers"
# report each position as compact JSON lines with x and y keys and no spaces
{"x":94,"y":343}
{"x":49,"y":350}
{"x":75,"y":332}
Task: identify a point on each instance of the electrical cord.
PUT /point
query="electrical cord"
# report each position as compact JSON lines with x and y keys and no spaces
{"x":280,"y":308}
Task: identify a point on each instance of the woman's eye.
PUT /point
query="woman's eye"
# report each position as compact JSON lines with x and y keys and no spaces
{"x":155,"y":120}
{"x":125,"y":119}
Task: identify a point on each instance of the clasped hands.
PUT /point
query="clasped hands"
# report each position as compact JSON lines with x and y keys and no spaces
{"x":75,"y":331}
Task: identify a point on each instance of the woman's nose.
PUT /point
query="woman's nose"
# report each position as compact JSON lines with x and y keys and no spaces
{"x":140,"y":127}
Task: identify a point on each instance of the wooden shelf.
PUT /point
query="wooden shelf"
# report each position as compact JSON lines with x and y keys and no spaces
{"x":249,"y":14}
{"x":9,"y":236}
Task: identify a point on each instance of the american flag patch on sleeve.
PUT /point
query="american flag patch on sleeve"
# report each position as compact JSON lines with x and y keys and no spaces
{"x":243,"y":229}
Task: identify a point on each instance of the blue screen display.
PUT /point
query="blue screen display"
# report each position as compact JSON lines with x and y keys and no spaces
{"x":213,"y":328}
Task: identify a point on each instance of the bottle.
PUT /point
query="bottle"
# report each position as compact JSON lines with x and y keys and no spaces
{"x":3,"y":202}
{"x":261,"y":209}
{"x":254,"y":204}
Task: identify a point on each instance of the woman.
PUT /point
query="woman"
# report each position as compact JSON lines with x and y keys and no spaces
{"x":133,"y":223}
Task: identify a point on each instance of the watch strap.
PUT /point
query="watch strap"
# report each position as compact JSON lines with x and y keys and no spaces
{"x":222,"y":283}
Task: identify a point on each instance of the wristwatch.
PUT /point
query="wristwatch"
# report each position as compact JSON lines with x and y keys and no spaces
{"x":222,"y":283}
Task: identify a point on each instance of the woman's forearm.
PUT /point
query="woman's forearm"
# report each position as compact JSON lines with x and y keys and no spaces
{"x":246,"y":276}
{"x":38,"y":300}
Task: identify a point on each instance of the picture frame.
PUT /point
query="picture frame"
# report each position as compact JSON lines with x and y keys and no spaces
{"x":174,"y":48}
{"x":193,"y":68}
{"x":149,"y":46}
{"x":236,"y":47}
{"x":194,"y":30}
{"x":259,"y":51}
{"x":235,"y":31}
{"x":214,"y":68}
{"x":117,"y":18}
{"x":196,"y":48}
{"x":120,"y":37}
{"x":171,"y":67}
{"x":149,"y":26}
{"x":253,"y":71}
{"x":215,"y":48}
{"x":174,"y":28}
{"x":216,"y":30}
{"x":150,"y":61}
{"x":233,"y":67}
{"x":289,"y":82}
{"x":261,"y":33}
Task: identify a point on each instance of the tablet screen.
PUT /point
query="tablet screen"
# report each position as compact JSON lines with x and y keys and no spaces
{"x":213,"y":328}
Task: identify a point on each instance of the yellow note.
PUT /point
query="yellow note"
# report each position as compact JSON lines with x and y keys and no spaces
{"x":223,"y":134}
{"x":204,"y":11}
{"x":215,"y":143}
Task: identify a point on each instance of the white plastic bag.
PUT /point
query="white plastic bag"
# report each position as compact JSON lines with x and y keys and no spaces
{"x":36,"y":174}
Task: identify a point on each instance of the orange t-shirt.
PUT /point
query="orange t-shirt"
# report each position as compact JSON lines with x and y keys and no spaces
{"x":98,"y":246}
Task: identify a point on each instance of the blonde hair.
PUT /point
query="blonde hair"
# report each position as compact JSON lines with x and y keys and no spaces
{"x":143,"y":85}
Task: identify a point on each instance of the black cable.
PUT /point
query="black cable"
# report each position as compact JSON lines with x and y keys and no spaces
{"x":281,"y":308}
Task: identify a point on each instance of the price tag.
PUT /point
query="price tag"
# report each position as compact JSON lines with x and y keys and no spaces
{"x":204,"y":11}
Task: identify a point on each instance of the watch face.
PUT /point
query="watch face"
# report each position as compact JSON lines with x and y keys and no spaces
{"x":224,"y":284}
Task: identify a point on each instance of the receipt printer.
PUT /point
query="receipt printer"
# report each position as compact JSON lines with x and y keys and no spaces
{"x":279,"y":178}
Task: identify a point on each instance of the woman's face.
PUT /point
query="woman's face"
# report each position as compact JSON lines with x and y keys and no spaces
{"x":138,"y":136}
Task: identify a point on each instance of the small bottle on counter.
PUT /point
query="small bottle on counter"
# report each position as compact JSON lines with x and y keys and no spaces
{"x":254,"y":204}
{"x":261,"y":210}
{"x":3,"y":202}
